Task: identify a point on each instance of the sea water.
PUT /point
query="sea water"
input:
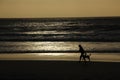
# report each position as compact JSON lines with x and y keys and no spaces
{"x":59,"y":35}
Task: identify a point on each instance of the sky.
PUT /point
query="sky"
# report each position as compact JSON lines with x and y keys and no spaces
{"x":58,"y":8}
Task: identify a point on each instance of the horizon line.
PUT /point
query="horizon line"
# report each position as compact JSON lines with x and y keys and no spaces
{"x":60,"y":17}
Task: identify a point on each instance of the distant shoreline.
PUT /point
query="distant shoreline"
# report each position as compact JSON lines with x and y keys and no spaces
{"x":63,"y":17}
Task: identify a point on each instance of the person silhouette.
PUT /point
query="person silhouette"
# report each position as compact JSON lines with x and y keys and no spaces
{"x":83,"y":53}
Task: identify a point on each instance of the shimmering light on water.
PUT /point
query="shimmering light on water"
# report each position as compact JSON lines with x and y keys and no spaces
{"x":59,"y":46}
{"x":56,"y":32}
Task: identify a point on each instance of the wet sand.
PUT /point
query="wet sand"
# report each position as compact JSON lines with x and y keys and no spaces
{"x":58,"y":70}
{"x":101,"y":57}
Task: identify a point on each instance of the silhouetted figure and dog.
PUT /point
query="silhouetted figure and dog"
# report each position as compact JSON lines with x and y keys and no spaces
{"x":84,"y":56}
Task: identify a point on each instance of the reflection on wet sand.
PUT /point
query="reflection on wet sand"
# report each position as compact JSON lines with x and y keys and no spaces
{"x":104,"y":57}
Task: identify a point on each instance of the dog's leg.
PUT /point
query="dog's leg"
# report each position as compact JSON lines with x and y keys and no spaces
{"x":84,"y":59}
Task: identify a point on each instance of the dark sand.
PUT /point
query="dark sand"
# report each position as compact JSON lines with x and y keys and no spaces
{"x":59,"y":70}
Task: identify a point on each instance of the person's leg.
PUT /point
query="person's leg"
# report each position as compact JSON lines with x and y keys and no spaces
{"x":89,"y":58}
{"x":80,"y":58}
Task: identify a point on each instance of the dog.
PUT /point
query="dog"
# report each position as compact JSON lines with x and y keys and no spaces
{"x":85,"y":57}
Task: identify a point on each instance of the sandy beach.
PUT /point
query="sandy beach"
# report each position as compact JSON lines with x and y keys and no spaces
{"x":58,"y":70}
{"x":57,"y":66}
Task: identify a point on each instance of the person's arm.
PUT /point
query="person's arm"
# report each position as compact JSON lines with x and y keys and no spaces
{"x":79,"y":50}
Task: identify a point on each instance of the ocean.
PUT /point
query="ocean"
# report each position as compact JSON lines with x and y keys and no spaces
{"x":59,"y":35}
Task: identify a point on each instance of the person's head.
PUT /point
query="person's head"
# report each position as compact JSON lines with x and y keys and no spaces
{"x":80,"y":46}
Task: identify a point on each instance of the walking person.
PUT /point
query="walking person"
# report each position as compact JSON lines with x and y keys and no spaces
{"x":83,"y":53}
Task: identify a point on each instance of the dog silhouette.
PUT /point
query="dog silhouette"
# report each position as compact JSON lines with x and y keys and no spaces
{"x":85,"y":57}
